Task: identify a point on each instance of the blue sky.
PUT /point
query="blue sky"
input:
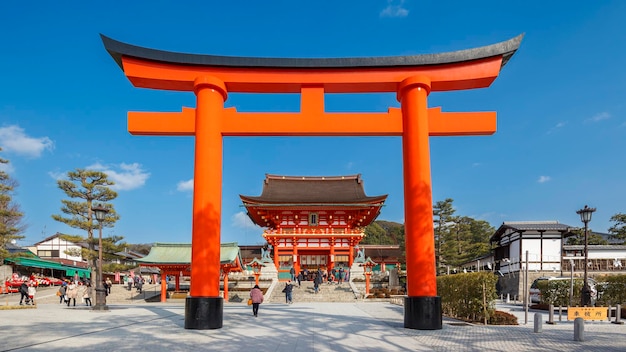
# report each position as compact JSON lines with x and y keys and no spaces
{"x":560,"y":102}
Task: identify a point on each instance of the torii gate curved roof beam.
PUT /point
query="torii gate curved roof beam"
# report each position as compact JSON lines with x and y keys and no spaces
{"x":463,"y":69}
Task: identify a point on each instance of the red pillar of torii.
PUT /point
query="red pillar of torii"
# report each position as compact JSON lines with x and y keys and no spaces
{"x":412,"y":78}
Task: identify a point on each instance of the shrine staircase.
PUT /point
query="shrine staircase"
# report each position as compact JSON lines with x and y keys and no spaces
{"x":306,"y":293}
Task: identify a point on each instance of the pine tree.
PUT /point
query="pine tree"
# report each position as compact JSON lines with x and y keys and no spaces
{"x":443,"y":213}
{"x":618,"y":231}
{"x":11,"y":226}
{"x":579,"y":238}
{"x":90,"y":188}
{"x":467,"y":239}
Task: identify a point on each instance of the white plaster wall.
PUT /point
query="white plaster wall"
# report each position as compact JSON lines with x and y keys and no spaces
{"x":62,"y":246}
{"x":606,"y":254}
{"x":551,"y":250}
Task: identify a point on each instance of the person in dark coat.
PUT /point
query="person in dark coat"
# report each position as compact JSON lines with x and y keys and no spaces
{"x":139,"y":284}
{"x":317,"y":281}
{"x":300,"y":278}
{"x":288,"y":293}
{"x":62,"y":291}
{"x":24,"y":293}
{"x":292,"y":272}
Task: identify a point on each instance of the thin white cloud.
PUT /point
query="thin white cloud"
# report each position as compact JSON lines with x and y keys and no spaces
{"x":185,"y":186}
{"x":56,"y":175}
{"x":242,"y":220}
{"x":14,"y":139}
{"x":599,"y":117}
{"x":126,"y":176}
{"x":556,"y":127}
{"x":349,"y":165}
{"x":395,"y":8}
{"x":544,"y":179}
{"x":476,"y":164}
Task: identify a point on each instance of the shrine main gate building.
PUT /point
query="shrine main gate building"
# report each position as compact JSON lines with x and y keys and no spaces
{"x":411,"y":78}
{"x":313,"y":222}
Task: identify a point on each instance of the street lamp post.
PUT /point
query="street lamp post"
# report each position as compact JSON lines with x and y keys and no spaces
{"x":100,"y":212}
{"x":585,"y":295}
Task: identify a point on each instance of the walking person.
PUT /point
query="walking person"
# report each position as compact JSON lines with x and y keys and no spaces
{"x":300,"y":278}
{"x":341,"y":274}
{"x":32,"y":291}
{"x":256,"y":295}
{"x":129,"y":282}
{"x":62,"y":292}
{"x":24,"y":293}
{"x":317,"y":281}
{"x":288,"y":292}
{"x":72,"y":292}
{"x":139,"y":284}
{"x":106,"y":287}
{"x":109,"y":284}
{"x":87,"y":294}
{"x":292,"y":271}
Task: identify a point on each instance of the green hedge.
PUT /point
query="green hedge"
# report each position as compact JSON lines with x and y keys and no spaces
{"x":611,"y":290}
{"x":556,"y":292}
{"x":462,"y":295}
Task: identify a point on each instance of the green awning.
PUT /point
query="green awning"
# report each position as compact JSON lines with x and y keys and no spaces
{"x":35,"y":263}
{"x":81,"y":272}
{"x":46,"y":264}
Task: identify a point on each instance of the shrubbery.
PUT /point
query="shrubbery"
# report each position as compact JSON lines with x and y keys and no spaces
{"x":502,"y":318}
{"x":468,"y":296}
{"x":611,"y":290}
{"x":556,"y":292}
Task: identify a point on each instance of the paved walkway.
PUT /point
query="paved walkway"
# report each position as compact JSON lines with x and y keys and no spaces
{"x":360,"y":326}
{"x":133,"y":324}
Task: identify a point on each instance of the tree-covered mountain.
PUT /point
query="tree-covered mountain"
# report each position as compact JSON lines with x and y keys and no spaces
{"x":458,"y":239}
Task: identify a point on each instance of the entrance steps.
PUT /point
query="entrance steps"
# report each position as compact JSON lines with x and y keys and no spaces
{"x":306,"y":293}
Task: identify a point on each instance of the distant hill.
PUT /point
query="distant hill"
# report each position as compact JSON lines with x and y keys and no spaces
{"x":384,"y":232}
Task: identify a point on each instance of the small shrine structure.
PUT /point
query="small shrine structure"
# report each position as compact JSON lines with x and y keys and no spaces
{"x":174,"y":260}
{"x":313,"y":222}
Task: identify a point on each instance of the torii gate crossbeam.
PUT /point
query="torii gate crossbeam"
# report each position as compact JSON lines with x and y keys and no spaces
{"x":412,"y":78}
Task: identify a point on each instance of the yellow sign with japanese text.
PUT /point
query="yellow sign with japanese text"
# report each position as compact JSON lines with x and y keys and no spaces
{"x":587,"y":313}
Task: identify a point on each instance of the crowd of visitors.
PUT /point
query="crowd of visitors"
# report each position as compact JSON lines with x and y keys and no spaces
{"x":69,"y":291}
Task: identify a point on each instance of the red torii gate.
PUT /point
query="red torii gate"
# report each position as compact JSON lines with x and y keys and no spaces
{"x":412,"y":78}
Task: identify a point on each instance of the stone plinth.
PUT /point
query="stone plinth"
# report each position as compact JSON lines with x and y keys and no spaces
{"x":357,"y":272}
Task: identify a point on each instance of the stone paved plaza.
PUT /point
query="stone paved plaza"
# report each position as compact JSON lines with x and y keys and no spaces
{"x":358,"y":326}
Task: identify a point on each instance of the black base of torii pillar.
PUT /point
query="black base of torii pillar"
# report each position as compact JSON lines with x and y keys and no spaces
{"x":423,"y":313}
{"x":202,"y":313}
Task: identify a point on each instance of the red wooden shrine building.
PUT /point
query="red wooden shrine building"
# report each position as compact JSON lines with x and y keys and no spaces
{"x":313,"y":222}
